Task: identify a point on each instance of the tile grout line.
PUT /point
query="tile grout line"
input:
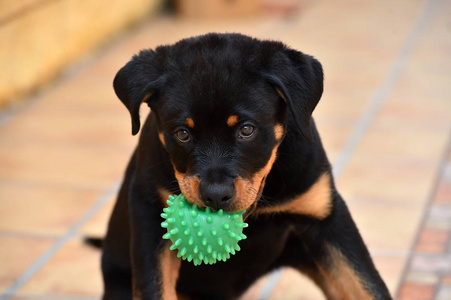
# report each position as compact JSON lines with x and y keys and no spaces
{"x":73,"y":230}
{"x":427,"y":207}
{"x":381,"y":94}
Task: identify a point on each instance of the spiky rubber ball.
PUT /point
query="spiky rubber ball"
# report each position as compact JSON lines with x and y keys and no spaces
{"x":200,"y":235}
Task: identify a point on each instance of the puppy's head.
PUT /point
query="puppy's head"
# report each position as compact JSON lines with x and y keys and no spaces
{"x":223,"y":104}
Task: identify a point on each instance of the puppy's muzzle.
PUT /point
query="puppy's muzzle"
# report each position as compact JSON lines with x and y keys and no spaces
{"x":217,"y":195}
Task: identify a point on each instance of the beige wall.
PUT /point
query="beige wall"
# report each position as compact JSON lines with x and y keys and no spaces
{"x":39,"y":38}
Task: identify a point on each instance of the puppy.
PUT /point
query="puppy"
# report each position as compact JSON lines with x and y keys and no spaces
{"x":231,"y":128}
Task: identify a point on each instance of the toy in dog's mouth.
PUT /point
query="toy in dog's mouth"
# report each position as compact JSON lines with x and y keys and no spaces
{"x":200,"y":235}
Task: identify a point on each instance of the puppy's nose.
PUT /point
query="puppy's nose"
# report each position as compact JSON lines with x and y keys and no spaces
{"x":217,"y":195}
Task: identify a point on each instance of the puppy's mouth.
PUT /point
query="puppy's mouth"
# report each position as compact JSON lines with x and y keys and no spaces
{"x":247,"y":193}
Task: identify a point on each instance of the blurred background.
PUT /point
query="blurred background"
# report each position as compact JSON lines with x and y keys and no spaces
{"x":385,"y":121}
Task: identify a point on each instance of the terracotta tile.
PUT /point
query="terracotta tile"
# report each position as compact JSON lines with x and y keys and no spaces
{"x":416,"y":291}
{"x":17,"y":253}
{"x":97,"y":226}
{"x":43,"y":210}
{"x":103,"y":127}
{"x":384,"y":226}
{"x":443,"y":193}
{"x":429,"y":248}
{"x":446,"y":280}
{"x":390,"y":267}
{"x":433,"y":236}
{"x":407,"y":143}
{"x":397,"y":180}
{"x":67,"y":164}
{"x":62,"y":275}
{"x":433,"y":240}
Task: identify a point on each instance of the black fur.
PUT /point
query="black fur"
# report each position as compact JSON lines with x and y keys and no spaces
{"x":209,"y":78}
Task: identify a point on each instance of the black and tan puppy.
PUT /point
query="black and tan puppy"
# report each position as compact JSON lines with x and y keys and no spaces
{"x":230,"y":127}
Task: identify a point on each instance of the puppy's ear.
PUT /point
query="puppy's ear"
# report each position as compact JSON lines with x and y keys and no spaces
{"x":298,"y":78}
{"x":136,"y":82}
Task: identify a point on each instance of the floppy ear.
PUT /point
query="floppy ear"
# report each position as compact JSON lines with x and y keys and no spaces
{"x":136,"y":82}
{"x":299,"y":81}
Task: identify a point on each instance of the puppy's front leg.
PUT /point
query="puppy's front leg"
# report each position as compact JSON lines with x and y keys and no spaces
{"x":155,"y":267}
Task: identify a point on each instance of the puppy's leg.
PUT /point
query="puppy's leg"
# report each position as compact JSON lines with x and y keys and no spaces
{"x":333,"y":254}
{"x":155,"y":268}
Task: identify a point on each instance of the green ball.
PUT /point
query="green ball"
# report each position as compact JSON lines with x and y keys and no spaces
{"x":201,"y":235}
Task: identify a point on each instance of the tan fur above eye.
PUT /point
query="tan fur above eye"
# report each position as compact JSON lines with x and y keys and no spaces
{"x":189,"y":122}
{"x":232,"y":120}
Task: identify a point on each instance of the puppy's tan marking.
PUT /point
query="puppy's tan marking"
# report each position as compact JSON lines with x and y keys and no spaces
{"x":281,"y":95}
{"x":340,"y":280}
{"x":189,"y":122}
{"x":161,"y":137}
{"x":164,"y":195}
{"x":278,"y":132}
{"x":232,"y":120}
{"x":147,"y":97}
{"x":316,"y":202}
{"x":247,"y":191}
{"x":169,"y":271}
{"x":189,"y":185}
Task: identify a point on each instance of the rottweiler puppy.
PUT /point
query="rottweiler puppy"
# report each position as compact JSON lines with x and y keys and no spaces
{"x":231,"y":128}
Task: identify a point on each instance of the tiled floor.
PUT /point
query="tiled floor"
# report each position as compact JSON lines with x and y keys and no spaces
{"x":385,"y":119}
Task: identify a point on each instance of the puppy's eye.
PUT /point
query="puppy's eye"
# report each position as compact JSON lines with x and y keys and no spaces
{"x":183,"y":135}
{"x":246,"y":131}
